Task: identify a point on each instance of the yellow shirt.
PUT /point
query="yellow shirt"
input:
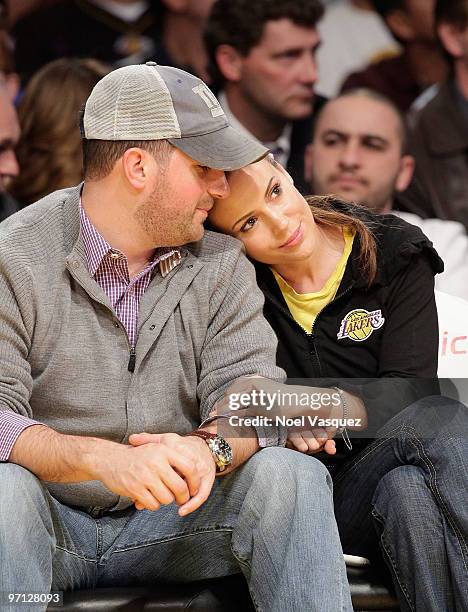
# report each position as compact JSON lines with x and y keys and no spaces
{"x":305,"y":307}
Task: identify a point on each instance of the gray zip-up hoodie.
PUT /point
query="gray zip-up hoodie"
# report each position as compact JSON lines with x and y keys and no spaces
{"x":64,"y":355}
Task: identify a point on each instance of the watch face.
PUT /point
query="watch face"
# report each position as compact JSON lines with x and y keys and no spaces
{"x":222,"y":450}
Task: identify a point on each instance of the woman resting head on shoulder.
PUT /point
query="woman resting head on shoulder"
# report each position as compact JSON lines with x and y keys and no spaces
{"x":345,"y":289}
{"x":350,"y":296}
{"x":302,"y":239}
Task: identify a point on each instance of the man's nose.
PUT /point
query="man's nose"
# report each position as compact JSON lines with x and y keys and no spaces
{"x":308,"y":73}
{"x":217,"y":184}
{"x":350,"y":156}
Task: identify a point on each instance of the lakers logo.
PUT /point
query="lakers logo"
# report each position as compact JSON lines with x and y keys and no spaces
{"x":359,"y":324}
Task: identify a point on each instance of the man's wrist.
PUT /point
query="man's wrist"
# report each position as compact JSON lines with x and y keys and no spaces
{"x":218,"y":447}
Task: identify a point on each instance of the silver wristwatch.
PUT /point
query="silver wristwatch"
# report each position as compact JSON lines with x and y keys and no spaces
{"x":220,"y":449}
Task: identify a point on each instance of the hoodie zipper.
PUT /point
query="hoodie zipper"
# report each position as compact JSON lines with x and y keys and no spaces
{"x":132,"y":360}
{"x":310,"y":336}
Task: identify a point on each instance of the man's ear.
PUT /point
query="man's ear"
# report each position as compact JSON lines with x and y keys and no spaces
{"x":135,"y":166}
{"x":450,"y":36}
{"x":405,"y":174}
{"x":176,"y":6}
{"x":308,"y":163}
{"x":229,"y":62}
{"x":400,"y":24}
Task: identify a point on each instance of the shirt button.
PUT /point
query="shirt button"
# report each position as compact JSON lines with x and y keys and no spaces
{"x":115,"y":255}
{"x":116,"y":324}
{"x":152,"y":327}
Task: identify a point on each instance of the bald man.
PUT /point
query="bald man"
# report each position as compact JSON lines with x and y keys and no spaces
{"x":358,"y":152}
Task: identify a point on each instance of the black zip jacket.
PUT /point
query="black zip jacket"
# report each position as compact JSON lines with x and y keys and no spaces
{"x":388,"y":331}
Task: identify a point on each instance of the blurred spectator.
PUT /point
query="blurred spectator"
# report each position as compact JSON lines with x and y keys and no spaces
{"x":182,"y":35}
{"x":262,"y":54}
{"x":8,"y":75}
{"x":358,"y":154}
{"x":117,"y":32}
{"x":439,"y":139}
{"x":421,"y":63}
{"x":353,"y":36}
{"x":17,"y":10}
{"x":49,"y":150}
{"x":9,"y":135}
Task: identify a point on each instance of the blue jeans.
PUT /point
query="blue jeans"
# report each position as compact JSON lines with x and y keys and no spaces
{"x":407,"y":493}
{"x":272,"y":519}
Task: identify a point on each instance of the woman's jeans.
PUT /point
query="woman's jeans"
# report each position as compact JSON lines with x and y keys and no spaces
{"x":272,"y":518}
{"x":410,"y":487}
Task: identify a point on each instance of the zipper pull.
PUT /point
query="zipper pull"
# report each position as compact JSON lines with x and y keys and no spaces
{"x":131,"y":361}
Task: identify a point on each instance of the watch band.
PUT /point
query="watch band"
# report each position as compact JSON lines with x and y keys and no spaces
{"x":200,"y":433}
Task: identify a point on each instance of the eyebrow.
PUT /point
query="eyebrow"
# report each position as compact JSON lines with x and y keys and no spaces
{"x":347,"y":135}
{"x":300,"y":49}
{"x":251,"y":212}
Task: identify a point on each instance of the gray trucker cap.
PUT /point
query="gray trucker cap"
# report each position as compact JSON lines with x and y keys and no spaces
{"x":152,"y":102}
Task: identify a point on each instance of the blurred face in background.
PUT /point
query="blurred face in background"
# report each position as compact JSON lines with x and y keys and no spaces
{"x":278,"y":75}
{"x":198,"y":10}
{"x":421,"y":13}
{"x":9,"y":136}
{"x":356,"y":153}
{"x":414,"y":21}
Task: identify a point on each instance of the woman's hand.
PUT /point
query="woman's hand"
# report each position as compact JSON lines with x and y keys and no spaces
{"x":312,"y":441}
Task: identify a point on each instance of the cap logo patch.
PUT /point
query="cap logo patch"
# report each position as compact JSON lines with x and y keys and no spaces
{"x":209,"y":99}
{"x":359,"y":324}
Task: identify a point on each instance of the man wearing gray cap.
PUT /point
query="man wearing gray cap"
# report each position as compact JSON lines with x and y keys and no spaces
{"x":122,"y":323}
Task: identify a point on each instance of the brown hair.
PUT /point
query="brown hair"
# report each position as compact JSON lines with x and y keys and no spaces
{"x":332,"y":211}
{"x":7,"y":65}
{"x":49,"y":150}
{"x":240,"y":23}
{"x":454,"y":12}
{"x":100,"y":156}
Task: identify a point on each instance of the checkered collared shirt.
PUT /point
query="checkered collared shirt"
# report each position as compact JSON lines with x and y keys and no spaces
{"x":109,"y":268}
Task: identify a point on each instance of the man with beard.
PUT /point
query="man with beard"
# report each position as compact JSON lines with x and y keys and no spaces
{"x":122,"y":325}
{"x":359,"y":153}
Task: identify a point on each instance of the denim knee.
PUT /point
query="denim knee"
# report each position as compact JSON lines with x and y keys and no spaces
{"x":282,"y":472}
{"x":22,"y":496}
{"x":399,"y":492}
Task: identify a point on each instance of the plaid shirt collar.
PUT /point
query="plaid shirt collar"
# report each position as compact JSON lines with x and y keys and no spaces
{"x":96,"y":248}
